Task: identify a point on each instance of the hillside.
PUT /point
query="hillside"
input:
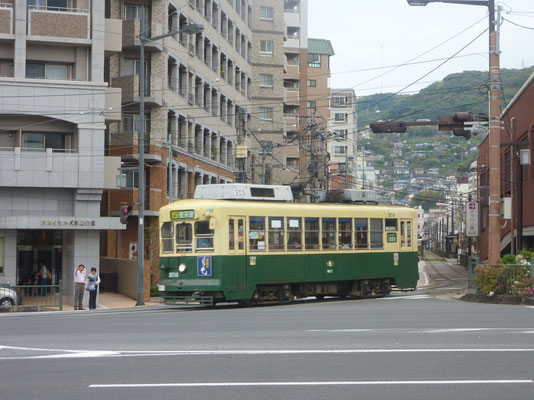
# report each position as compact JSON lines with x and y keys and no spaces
{"x":465,"y":91}
{"x":452,"y":155}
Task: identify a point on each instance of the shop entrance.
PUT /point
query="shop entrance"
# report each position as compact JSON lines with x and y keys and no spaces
{"x":35,"y":246}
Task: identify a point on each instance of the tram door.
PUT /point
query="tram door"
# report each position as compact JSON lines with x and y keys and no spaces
{"x":237,"y":251}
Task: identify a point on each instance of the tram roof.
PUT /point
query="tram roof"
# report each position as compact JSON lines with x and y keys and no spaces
{"x":262,"y":207}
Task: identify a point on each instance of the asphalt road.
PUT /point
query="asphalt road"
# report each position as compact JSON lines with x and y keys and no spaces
{"x":405,"y":346}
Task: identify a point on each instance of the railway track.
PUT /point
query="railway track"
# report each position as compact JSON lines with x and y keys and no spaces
{"x":444,"y":275}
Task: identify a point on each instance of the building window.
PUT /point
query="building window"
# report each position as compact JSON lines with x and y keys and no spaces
{"x":341,"y":133}
{"x":46,"y":71}
{"x":312,"y":83}
{"x":266,"y":80}
{"x":314,"y":60}
{"x":266,"y":47}
{"x":292,"y":162}
{"x":340,"y":150}
{"x":266,"y":13}
{"x":340,"y":101}
{"x":312,"y":105}
{"x":132,"y":11}
{"x":266,"y":114}
{"x":132,"y":177}
{"x":34,"y":141}
{"x":340,"y":117}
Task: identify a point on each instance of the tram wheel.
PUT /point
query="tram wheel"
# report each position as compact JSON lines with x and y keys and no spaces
{"x":319,"y":296}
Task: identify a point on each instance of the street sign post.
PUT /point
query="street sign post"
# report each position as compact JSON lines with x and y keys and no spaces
{"x":471,"y":218}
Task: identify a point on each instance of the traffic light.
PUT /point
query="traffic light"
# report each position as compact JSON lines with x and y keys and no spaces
{"x":388,"y":127}
{"x":456,"y":123}
{"x":125,"y":212}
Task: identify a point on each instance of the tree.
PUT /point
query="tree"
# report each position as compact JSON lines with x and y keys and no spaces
{"x":427,"y":199}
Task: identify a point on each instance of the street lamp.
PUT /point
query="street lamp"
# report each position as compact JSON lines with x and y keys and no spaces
{"x":494,"y":227}
{"x":188,"y":29}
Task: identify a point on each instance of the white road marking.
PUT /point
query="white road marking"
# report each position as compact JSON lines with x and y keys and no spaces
{"x":63,"y":354}
{"x":313,"y":383}
{"x":412,"y":297}
{"x":437,"y":330}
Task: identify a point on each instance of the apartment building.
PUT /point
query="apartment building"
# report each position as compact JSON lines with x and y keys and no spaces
{"x":268,"y":92}
{"x":53,"y":108}
{"x":342,"y":125}
{"x":197,"y":96}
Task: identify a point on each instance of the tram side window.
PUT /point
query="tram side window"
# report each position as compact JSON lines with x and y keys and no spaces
{"x":294,"y":233}
{"x":402,"y":236}
{"x":361,"y":228}
{"x":409,"y":233}
{"x":256,"y":234}
{"x":329,"y":233}
{"x":311,"y":233}
{"x":345,"y":233}
{"x":377,"y":235}
{"x":391,"y":224}
{"x":184,"y":237}
{"x":231,"y":234}
{"x":167,"y":234}
{"x":203,"y":236}
{"x":276,"y":234}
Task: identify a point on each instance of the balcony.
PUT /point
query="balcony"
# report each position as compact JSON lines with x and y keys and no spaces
{"x":291,"y":95}
{"x":154,"y":89}
{"x":72,"y":23}
{"x":6,"y":20}
{"x":131,"y":30}
{"x":50,"y":168}
{"x":113,"y":104}
{"x":113,"y":36}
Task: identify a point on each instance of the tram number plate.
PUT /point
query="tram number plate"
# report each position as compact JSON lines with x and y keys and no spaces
{"x":174,"y":274}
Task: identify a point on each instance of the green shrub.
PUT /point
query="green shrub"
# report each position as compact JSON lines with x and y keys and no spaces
{"x":508,"y":259}
{"x":154,"y":292}
{"x":490,"y":279}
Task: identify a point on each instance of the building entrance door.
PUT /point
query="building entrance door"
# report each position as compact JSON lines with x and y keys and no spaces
{"x":35,"y":246}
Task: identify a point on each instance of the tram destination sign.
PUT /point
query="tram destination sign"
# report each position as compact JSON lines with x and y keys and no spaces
{"x":182,"y":214}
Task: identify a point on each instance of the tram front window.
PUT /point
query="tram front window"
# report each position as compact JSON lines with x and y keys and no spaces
{"x":167,"y":234}
{"x":184,"y":237}
{"x":203,"y":236}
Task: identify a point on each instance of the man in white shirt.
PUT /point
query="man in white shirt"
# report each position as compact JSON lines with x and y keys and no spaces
{"x":79,"y":286}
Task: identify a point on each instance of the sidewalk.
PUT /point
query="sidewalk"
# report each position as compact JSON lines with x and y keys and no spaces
{"x":109,"y":300}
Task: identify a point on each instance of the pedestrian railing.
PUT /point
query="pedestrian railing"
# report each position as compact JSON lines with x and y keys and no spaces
{"x":31,"y":297}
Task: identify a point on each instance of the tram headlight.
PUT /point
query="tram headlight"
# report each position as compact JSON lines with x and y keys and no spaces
{"x":182,"y":268}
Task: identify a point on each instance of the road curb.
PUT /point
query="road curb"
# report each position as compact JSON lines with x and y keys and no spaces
{"x":497,"y":299}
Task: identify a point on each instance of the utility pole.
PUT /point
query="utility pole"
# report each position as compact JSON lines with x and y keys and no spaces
{"x":494,"y":227}
{"x":170,"y":170}
{"x":240,"y":175}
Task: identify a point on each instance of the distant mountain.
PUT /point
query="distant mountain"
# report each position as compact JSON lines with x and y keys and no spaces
{"x":464,"y":91}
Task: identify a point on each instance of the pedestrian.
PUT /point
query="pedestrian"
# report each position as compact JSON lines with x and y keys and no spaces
{"x":92,"y":285}
{"x":43,"y":274}
{"x":79,"y":285}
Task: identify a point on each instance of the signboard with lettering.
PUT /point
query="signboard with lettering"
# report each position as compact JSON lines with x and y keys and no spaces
{"x":182,"y":214}
{"x":471,"y":219}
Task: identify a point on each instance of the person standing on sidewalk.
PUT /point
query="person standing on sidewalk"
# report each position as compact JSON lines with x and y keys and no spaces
{"x":92,"y":284}
{"x":79,"y":285}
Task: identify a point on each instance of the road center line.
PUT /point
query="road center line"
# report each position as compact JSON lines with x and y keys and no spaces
{"x":334,"y":383}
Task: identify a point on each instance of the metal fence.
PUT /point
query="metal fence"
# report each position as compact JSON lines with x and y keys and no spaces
{"x":510,"y":273}
{"x":31,"y":297}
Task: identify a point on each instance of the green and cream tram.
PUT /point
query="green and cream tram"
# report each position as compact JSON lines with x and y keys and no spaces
{"x":268,"y":251}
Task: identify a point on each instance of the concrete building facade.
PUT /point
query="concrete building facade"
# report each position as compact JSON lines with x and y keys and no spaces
{"x":54,"y":104}
{"x":197,"y":96}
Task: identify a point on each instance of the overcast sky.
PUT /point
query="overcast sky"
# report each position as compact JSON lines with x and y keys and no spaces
{"x":379,"y":33}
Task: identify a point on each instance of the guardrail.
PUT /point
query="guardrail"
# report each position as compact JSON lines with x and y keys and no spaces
{"x":61,"y":9}
{"x":31,"y":297}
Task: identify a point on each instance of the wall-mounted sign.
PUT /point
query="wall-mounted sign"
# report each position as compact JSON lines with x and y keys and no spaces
{"x":471,"y":218}
{"x":68,"y":222}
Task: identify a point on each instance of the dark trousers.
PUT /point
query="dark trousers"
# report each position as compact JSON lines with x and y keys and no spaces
{"x":78,"y":295}
{"x":92,"y":299}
